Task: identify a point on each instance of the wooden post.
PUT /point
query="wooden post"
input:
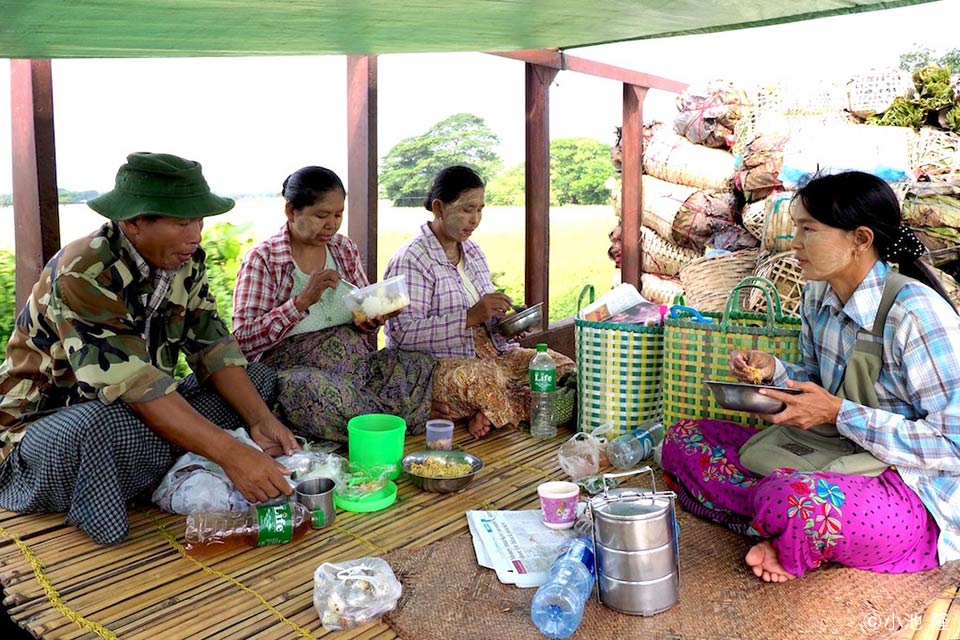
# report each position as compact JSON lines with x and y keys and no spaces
{"x":537,"y":245}
{"x":35,"y":213}
{"x":362,"y":158}
{"x":632,"y":197}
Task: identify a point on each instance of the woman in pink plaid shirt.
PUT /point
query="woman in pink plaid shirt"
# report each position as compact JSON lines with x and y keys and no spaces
{"x":481,"y":377}
{"x":289,"y":313}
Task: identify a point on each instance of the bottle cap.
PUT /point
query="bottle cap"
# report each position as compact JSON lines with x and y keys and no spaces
{"x":542,"y":347}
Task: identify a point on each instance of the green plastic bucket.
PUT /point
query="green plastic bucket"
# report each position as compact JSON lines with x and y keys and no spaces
{"x":375,"y":439}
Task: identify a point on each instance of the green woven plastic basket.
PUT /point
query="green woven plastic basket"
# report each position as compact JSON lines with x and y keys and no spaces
{"x":618,"y":373}
{"x":694,"y":351}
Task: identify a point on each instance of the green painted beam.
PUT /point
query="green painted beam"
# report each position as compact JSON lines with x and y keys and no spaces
{"x":168,"y":28}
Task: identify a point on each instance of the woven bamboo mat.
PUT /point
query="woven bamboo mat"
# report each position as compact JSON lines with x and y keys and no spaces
{"x":60,"y":585}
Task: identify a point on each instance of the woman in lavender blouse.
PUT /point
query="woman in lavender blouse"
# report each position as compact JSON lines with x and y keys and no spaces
{"x":453,"y":306}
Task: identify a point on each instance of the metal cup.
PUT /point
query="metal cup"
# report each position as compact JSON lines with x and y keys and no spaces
{"x":316,"y":494}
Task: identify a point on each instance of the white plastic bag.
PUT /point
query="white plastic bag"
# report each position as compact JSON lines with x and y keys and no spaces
{"x":351,"y":593}
{"x":195,"y":483}
{"x":882,"y":151}
{"x":618,"y":299}
{"x":580,"y":455}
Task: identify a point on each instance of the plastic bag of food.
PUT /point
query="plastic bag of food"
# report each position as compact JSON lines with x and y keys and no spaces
{"x":311,"y":463}
{"x":195,"y":483}
{"x":580,"y":455}
{"x":360,"y":482}
{"x":351,"y":593}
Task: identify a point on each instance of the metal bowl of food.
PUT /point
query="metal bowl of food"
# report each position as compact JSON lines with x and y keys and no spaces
{"x":516,"y":323}
{"x":740,"y":396}
{"x":441,"y":471}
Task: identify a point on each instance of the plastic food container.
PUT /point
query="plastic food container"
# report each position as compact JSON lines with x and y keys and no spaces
{"x":440,"y":435}
{"x":378,"y":300}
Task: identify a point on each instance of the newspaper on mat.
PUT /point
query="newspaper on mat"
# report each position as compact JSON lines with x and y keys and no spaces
{"x":516,"y":545}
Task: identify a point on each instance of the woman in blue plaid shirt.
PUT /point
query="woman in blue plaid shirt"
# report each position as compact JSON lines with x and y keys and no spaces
{"x":899,"y":510}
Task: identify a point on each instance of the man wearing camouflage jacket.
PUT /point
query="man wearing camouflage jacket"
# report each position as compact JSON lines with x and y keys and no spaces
{"x":88,"y":401}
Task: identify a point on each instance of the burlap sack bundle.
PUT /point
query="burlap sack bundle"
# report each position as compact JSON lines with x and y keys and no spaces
{"x":761,"y":163}
{"x":709,"y":112}
{"x":675,"y":159}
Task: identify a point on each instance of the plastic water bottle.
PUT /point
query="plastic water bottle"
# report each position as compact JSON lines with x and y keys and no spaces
{"x":543,"y":394}
{"x":263,"y":525}
{"x":558,"y":604}
{"x":627,"y":450}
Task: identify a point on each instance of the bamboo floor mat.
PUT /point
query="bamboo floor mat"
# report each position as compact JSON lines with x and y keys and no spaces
{"x":60,"y":585}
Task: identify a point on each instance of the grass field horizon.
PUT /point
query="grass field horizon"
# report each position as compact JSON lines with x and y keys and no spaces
{"x":578,"y":240}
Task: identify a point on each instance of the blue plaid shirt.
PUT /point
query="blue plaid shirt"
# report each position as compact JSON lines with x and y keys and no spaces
{"x":917,"y":426}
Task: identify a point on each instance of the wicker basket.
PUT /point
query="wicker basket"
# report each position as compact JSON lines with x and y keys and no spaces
{"x":784,"y":272}
{"x":675,"y":159}
{"x":660,"y":290}
{"x":661,"y":202}
{"x":662,"y":256}
{"x":566,"y":402}
{"x":753,"y":216}
{"x":707,"y":281}
{"x":935,"y":154}
{"x":950,"y":284}
{"x":783,"y":108}
{"x":778,"y":227}
{"x":874,"y":91}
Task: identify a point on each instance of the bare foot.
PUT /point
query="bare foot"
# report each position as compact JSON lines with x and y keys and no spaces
{"x":479,"y":425}
{"x":763,"y":559}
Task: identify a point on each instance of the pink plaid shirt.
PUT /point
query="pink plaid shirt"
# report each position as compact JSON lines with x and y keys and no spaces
{"x":435,"y":322}
{"x":263,"y":311}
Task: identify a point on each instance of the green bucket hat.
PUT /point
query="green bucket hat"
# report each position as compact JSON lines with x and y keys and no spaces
{"x":159,"y":184}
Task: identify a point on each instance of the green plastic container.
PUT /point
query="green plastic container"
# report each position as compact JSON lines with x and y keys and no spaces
{"x":373,"y":502}
{"x":375,"y":439}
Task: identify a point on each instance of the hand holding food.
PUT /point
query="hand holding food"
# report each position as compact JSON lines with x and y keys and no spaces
{"x":753,"y":367}
{"x":489,"y":306}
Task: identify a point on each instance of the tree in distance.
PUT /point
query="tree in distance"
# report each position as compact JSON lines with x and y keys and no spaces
{"x":922,"y":56}
{"x":579,"y":170}
{"x":409,"y":167}
{"x":509,"y":188}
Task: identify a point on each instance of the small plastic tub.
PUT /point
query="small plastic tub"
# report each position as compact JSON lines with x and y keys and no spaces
{"x":440,"y":435}
{"x":378,"y":300}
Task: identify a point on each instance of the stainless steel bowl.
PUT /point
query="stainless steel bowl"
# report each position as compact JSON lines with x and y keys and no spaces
{"x":740,"y":396}
{"x":516,"y":323}
{"x":442,"y":485}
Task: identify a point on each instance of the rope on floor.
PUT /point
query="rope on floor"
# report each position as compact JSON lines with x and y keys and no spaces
{"x":40,"y":573}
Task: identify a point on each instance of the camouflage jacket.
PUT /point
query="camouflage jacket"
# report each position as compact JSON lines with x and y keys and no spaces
{"x":81,"y":334}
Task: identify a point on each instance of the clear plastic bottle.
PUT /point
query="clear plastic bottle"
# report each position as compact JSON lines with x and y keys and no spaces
{"x":543,"y":394}
{"x":263,"y":525}
{"x":627,"y":450}
{"x":557,"y":607}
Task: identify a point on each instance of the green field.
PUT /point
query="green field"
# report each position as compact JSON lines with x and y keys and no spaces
{"x":578,"y":240}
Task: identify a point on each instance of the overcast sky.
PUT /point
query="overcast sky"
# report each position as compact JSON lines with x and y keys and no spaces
{"x":251,"y":121}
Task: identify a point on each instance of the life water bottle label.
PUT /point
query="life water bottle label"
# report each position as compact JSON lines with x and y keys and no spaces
{"x":644,"y":436}
{"x":319,"y":519}
{"x":275,"y":524}
{"x":543,"y":381}
{"x":582,"y":551}
{"x":647,"y":441}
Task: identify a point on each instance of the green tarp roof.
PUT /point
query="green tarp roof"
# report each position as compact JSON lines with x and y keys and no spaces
{"x":148,"y":28}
